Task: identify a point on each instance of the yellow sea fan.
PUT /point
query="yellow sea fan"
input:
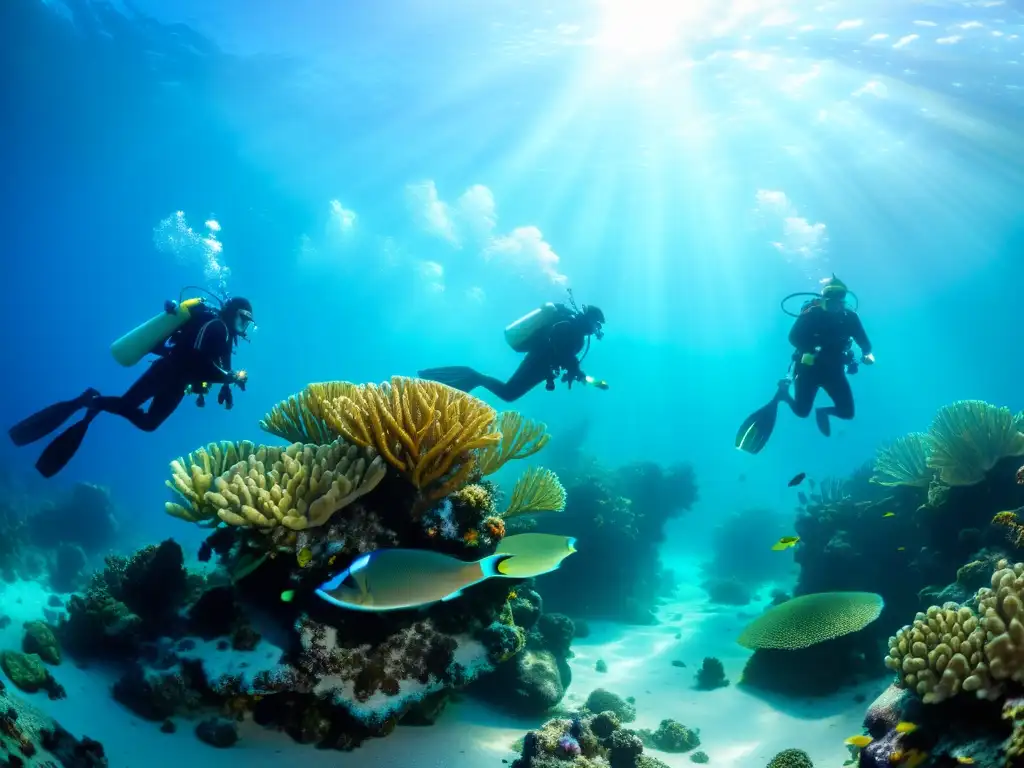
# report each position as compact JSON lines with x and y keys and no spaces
{"x":969,"y":437}
{"x":300,"y":418}
{"x":520,"y":437}
{"x":811,"y":619}
{"x":537,"y":490}
{"x":429,"y":431}
{"x":904,"y":462}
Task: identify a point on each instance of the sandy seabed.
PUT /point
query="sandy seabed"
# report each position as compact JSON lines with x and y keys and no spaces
{"x":737,"y":729}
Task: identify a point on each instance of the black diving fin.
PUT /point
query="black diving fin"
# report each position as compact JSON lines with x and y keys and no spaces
{"x":40,"y":424}
{"x":757,"y":428}
{"x":63,"y":447}
{"x":459,"y":377}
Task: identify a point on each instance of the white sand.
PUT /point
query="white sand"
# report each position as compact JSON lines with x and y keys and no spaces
{"x":737,"y":730}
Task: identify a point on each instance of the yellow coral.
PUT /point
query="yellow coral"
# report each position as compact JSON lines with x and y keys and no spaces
{"x":969,"y":437}
{"x":520,"y":437}
{"x":538,"y":490}
{"x":193,"y":475}
{"x":475,"y":496}
{"x":1014,"y":530}
{"x":811,"y":619}
{"x":428,"y":431}
{"x":905,"y":462}
{"x":941,"y":654}
{"x":300,"y":418}
{"x":953,"y":649}
{"x":302,"y":488}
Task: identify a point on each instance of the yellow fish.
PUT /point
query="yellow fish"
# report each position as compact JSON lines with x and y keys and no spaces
{"x":901,"y":549}
{"x":889,"y":514}
{"x":965,"y":760}
{"x":303,"y":557}
{"x":533,"y":554}
{"x":906,"y":727}
{"x":785,"y":543}
{"x":859,"y":741}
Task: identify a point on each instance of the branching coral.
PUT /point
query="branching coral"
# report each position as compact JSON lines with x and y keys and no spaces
{"x":303,"y":487}
{"x":1014,"y":529}
{"x":904,"y":462}
{"x":520,"y":438}
{"x":538,"y":490}
{"x":300,"y":418}
{"x":193,"y":476}
{"x":428,"y":431}
{"x":968,"y":437}
{"x":811,"y":619}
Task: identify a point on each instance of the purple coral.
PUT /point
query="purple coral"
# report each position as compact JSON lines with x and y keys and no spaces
{"x":569,"y":746}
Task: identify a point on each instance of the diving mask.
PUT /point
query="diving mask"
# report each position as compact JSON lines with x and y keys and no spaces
{"x":244,"y":323}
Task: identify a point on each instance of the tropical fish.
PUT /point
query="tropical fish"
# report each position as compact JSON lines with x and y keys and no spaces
{"x":303,"y":556}
{"x":533,"y":554}
{"x":797,"y":479}
{"x":397,"y":579}
{"x":905,"y":727}
{"x":963,"y":760}
{"x":889,"y":514}
{"x":785,"y":543}
{"x":859,"y":741}
{"x":901,"y":549}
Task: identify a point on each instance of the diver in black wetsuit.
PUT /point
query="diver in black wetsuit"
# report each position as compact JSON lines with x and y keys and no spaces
{"x":195,"y":355}
{"x":562,"y":333}
{"x":822,"y":337}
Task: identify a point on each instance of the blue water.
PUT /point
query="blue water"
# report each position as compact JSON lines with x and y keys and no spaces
{"x":395,"y":182}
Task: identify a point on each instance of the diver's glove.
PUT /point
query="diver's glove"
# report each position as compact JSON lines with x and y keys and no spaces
{"x":570,"y":376}
{"x":868,"y":359}
{"x":240,"y":378}
{"x":225,"y":397}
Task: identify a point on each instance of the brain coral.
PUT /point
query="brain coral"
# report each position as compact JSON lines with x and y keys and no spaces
{"x":791,"y":758}
{"x":811,"y":619}
{"x":951,"y":649}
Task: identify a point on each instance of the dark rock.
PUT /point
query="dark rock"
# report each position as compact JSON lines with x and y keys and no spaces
{"x":529,"y":684}
{"x":600,"y":666}
{"x":557,"y":631}
{"x":245,"y":638}
{"x":623,"y":749}
{"x":66,"y":575}
{"x":427,"y":710}
{"x":153,"y":695}
{"x":582,"y":629}
{"x":168,"y":726}
{"x":54,"y":601}
{"x":218,"y":732}
{"x":601,"y":700}
{"x":214,"y":614}
{"x":671,"y":736}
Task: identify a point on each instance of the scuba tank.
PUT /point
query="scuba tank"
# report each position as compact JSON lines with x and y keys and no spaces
{"x":138,"y":342}
{"x":519,"y":333}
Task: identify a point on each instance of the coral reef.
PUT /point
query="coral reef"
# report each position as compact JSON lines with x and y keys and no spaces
{"x":711,"y":675}
{"x":86,"y":518}
{"x":811,"y":645}
{"x":601,"y":700}
{"x":370,"y":466}
{"x":618,"y":518}
{"x":671,"y":736}
{"x":585,"y":741}
{"x":30,"y":738}
{"x":791,"y":758}
{"x":27,"y":672}
{"x":40,"y":640}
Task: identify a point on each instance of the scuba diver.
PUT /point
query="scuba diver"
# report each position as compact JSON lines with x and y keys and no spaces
{"x":822,"y":337}
{"x":194,"y":343}
{"x":551,"y":336}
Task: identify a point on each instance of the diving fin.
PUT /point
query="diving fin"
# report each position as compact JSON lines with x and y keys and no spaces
{"x":64,"y":446}
{"x":40,"y":424}
{"x":459,"y":377}
{"x":757,"y":428}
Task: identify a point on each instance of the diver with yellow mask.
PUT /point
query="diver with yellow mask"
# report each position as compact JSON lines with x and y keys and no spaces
{"x":822,"y":337}
{"x":194,"y":343}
